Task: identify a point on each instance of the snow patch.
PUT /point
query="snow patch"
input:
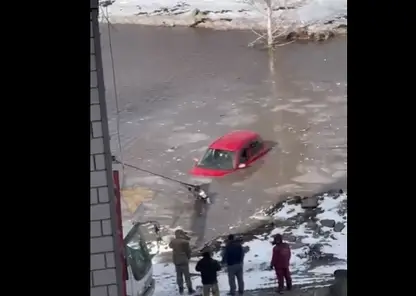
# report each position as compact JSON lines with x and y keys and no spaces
{"x":327,"y":269}
{"x":288,"y":211}
{"x":257,"y":275}
{"x":228,"y":13}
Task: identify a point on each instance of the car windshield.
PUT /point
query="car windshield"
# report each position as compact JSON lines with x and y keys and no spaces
{"x":137,"y":253}
{"x":217,"y":159}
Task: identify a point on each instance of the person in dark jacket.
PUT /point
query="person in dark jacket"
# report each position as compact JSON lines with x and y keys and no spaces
{"x":181,"y":253}
{"x":208,"y":268}
{"x":280,"y":263}
{"x":233,"y":257}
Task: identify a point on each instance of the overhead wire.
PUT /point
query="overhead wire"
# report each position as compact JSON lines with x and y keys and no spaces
{"x":120,"y":148}
{"x":116,"y":98}
{"x":152,"y":173}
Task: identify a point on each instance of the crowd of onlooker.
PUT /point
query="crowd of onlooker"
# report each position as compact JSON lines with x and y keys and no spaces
{"x":232,"y":261}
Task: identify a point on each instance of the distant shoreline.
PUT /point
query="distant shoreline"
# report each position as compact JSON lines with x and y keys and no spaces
{"x":302,"y":19}
{"x":222,"y":22}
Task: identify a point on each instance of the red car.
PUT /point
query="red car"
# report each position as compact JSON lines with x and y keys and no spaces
{"x":233,"y":151}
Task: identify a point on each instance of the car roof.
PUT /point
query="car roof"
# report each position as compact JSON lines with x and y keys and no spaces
{"x":233,"y":141}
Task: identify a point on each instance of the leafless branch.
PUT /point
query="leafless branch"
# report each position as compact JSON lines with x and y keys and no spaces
{"x":258,"y":5}
{"x":283,"y":44}
{"x":257,"y":33}
{"x":276,"y":26}
{"x":255,"y":41}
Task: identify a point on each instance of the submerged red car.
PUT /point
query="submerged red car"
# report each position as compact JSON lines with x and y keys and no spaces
{"x":233,"y":151}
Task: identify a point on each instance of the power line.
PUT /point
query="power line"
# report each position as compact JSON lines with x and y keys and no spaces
{"x":110,"y":43}
{"x":121,"y":161}
{"x":152,"y":173}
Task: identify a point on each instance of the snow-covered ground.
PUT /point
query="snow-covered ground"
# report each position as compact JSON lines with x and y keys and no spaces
{"x":318,"y":238}
{"x":226,"y":14}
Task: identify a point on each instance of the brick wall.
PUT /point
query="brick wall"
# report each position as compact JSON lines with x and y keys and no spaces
{"x":105,"y":271}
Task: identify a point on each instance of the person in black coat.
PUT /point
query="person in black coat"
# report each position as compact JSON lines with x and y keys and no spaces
{"x":208,"y":268}
{"x":233,"y":257}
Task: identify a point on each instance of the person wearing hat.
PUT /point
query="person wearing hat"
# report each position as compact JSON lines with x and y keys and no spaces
{"x":280,"y":263}
{"x":208,"y":267}
{"x":181,"y":253}
{"x":233,"y":258}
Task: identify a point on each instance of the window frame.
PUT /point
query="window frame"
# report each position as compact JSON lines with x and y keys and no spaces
{"x":254,"y":153}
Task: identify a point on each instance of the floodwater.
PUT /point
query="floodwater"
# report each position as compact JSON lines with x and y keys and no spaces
{"x":179,"y":89}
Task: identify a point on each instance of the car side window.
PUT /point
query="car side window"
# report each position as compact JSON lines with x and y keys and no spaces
{"x":256,"y":146}
{"x":244,"y":155}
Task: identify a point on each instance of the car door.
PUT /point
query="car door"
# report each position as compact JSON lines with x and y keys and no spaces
{"x":256,"y":149}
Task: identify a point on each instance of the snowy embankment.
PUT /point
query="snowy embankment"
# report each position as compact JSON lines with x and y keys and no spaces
{"x":316,"y":15}
{"x":316,"y":229}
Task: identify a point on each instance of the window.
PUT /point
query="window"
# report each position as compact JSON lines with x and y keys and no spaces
{"x":138,"y":256}
{"x":217,"y":159}
{"x":244,"y":155}
{"x":256,"y":147}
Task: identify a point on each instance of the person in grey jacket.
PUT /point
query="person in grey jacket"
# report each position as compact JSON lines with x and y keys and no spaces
{"x":233,"y":257}
{"x":181,"y":253}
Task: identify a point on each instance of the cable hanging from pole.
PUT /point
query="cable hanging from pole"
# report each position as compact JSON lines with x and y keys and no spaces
{"x":197,"y":190}
{"x":116,"y":98}
{"x":152,"y":173}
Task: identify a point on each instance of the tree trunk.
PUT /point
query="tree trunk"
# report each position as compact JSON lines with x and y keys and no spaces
{"x":269,"y":24}
{"x":272,"y":69}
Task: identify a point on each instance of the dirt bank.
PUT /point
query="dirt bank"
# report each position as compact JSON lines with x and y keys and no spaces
{"x":314,"y":32}
{"x":291,"y":20}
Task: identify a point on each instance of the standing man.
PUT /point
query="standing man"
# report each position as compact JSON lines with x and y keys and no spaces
{"x":233,"y":257}
{"x":181,"y":253}
{"x":208,"y":268}
{"x":280,"y":263}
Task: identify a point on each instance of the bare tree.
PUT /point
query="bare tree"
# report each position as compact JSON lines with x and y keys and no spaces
{"x":277,"y":23}
{"x":269,"y":15}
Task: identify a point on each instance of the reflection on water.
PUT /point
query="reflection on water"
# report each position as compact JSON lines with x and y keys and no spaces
{"x":180,"y":89}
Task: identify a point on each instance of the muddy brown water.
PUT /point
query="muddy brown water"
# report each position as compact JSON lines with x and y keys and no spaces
{"x":180,"y":88}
